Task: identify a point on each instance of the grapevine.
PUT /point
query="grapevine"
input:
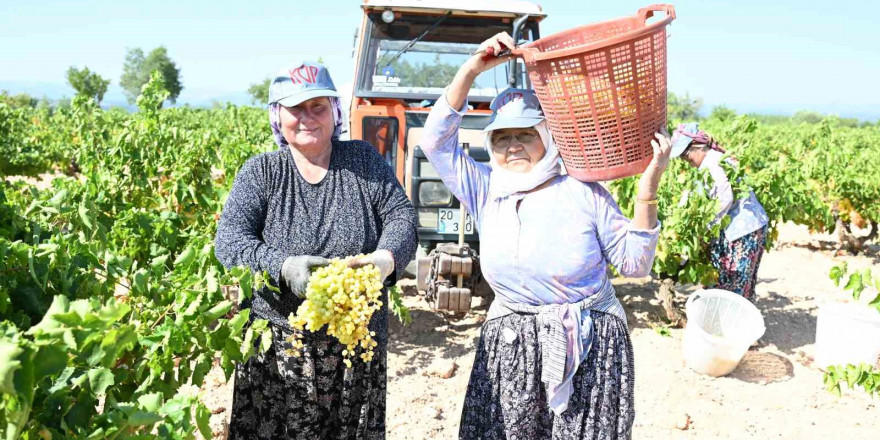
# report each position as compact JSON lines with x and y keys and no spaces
{"x":865,"y":376}
{"x":111,"y":298}
{"x":110,"y":291}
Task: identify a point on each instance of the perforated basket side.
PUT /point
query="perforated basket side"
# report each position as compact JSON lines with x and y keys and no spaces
{"x":603,"y":101}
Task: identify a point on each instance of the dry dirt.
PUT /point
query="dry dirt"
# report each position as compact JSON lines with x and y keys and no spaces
{"x":775,"y":393}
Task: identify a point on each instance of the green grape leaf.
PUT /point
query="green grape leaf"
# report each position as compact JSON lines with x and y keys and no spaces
{"x":855,"y":285}
{"x":151,"y":402}
{"x":265,"y":340}
{"x":202,"y":368}
{"x":203,"y":421}
{"x":185,"y":257}
{"x":222,"y":308}
{"x":9,"y":364}
{"x":100,"y":379}
{"x":49,"y":361}
{"x":84,"y":216}
{"x":837,"y":272}
{"x":143,"y":418}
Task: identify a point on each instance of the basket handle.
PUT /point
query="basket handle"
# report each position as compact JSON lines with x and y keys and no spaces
{"x":528,"y":54}
{"x":648,"y":11}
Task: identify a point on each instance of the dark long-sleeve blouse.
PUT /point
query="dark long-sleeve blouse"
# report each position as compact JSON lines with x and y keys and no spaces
{"x":272,"y":213}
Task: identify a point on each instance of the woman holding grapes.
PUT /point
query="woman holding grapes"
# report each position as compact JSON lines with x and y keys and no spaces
{"x":289,"y":211}
{"x":554,"y":359}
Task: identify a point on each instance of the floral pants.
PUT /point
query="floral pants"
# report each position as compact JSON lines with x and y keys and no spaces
{"x":737,"y":262}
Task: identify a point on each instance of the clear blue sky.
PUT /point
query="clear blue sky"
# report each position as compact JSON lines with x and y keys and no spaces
{"x":768,"y":55}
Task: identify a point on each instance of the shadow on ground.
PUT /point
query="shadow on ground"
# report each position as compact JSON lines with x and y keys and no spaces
{"x":788,"y":328}
{"x":763,"y":368}
{"x":430,"y":329}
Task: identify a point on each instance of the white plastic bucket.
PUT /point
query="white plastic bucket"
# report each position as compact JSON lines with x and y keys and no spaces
{"x":721,"y":326}
{"x":847,"y":333}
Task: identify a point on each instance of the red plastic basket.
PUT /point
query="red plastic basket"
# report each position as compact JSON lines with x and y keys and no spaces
{"x":603,"y":90}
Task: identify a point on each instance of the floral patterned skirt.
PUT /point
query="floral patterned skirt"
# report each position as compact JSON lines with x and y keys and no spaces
{"x":278,"y":396}
{"x":737,"y":262}
{"x":506,"y":400}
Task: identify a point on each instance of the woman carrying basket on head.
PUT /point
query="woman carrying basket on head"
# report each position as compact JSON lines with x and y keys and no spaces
{"x":737,"y":252}
{"x":554,"y":358}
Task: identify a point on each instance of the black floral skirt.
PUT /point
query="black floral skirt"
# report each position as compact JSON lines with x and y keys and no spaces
{"x":506,"y":399}
{"x":278,"y":396}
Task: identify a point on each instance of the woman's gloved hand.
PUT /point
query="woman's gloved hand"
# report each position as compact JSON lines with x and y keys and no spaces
{"x":382,"y":259}
{"x":295,"y":272}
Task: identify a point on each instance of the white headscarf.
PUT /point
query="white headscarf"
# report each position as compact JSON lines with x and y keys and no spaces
{"x":503,"y":183}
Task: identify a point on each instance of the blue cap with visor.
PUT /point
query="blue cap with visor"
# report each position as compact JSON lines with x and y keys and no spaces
{"x":515,"y":108}
{"x":301,"y":82}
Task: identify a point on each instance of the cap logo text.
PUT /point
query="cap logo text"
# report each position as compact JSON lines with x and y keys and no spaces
{"x":510,"y":97}
{"x":303,"y":75}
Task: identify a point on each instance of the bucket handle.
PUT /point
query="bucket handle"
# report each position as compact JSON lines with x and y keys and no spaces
{"x":694,"y":297}
{"x":648,"y":11}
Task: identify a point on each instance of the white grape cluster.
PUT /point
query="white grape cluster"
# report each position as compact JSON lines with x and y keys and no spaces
{"x":343,"y":299}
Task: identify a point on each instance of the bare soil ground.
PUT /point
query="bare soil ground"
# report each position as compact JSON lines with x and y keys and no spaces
{"x":775,"y":393}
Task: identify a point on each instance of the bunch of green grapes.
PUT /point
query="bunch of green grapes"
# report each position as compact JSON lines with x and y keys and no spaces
{"x":343,"y":299}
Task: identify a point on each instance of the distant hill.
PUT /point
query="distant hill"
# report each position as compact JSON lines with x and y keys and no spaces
{"x":116,"y":98}
{"x":863,"y":113}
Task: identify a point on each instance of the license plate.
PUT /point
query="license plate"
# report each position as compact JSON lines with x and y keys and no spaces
{"x":448,"y":222}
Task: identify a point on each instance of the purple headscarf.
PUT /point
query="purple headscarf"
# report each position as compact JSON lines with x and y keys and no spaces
{"x":691,"y":133}
{"x":275,"y":121}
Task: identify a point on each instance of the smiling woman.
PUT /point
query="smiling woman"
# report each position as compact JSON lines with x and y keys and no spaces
{"x":289,"y":211}
{"x":308,"y":124}
{"x":308,"y":127}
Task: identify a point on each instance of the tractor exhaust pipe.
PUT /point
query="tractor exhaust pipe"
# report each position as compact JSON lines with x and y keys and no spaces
{"x":511,"y":65}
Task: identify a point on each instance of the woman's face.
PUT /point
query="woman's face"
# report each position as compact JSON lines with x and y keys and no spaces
{"x":517,"y":149}
{"x":694,"y":154}
{"x":308,"y":124}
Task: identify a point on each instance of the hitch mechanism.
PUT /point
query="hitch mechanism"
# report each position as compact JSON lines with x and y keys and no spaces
{"x":449,"y":276}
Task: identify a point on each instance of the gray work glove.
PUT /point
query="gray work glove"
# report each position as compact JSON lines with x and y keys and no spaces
{"x":382,"y":259}
{"x":295,"y":272}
